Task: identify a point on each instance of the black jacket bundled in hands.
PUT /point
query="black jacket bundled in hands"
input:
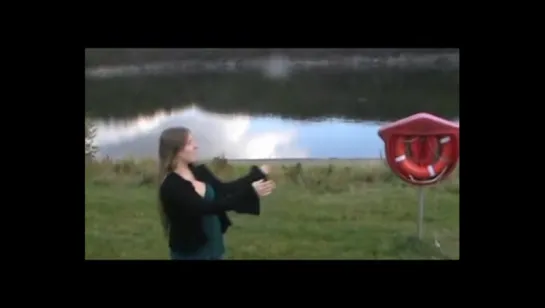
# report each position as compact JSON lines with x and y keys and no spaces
{"x":184,"y":207}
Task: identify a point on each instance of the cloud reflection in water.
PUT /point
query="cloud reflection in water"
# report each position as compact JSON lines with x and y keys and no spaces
{"x":216,"y":134}
{"x":243,"y":136}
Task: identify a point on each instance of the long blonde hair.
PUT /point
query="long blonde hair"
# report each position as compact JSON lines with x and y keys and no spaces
{"x":171,"y":141}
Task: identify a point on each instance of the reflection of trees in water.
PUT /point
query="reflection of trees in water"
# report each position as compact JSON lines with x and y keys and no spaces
{"x":373,"y":94}
{"x":112,"y":56}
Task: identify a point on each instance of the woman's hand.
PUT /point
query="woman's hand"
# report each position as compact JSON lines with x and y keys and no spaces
{"x":265,"y":169}
{"x":263,"y":188}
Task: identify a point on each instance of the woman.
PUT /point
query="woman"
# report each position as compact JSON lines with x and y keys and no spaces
{"x":193,"y":202}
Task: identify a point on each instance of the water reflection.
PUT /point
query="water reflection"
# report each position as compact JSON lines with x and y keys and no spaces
{"x":242,"y":136}
{"x":275,"y":66}
{"x":362,"y":88}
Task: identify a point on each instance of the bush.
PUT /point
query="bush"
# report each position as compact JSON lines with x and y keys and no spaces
{"x":90,"y":133}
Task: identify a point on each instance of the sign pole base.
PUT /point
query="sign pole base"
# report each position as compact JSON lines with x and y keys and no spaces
{"x":420,"y":225}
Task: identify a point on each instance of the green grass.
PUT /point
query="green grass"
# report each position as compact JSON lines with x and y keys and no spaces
{"x":356,"y":210}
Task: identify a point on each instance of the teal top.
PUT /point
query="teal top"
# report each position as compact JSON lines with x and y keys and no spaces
{"x":214,"y":247}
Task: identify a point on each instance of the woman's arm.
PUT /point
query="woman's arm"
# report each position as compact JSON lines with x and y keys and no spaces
{"x":206,"y":175}
{"x":181,"y":199}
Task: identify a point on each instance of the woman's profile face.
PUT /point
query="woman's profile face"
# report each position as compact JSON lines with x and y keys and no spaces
{"x":189,"y":153}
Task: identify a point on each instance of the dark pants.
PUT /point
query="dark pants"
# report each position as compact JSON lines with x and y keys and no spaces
{"x":179,"y":256}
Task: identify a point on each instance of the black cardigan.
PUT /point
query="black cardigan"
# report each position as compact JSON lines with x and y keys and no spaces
{"x":184,"y":207}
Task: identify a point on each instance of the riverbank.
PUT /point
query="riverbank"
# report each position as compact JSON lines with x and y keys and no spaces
{"x":310,"y":161}
{"x":322,"y":209}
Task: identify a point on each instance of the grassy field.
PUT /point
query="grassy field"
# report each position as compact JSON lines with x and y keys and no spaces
{"x":342,"y":210}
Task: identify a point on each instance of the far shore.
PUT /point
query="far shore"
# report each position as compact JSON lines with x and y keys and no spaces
{"x":273,"y":161}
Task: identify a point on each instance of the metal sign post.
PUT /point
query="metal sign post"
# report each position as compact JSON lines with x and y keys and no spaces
{"x":420,"y":225}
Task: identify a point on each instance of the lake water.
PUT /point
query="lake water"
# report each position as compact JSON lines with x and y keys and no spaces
{"x":280,"y":105}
